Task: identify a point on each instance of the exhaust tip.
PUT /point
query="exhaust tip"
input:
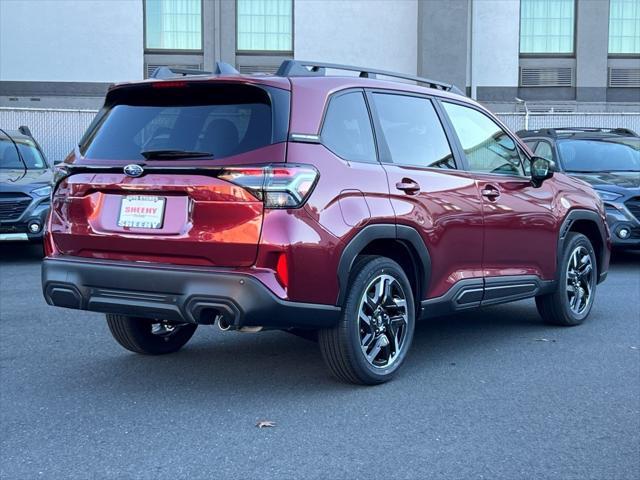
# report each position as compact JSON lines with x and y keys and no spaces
{"x":223,"y":324}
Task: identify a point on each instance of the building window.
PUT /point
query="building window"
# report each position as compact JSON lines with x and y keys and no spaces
{"x":624,"y":27}
{"x":265,"y":25}
{"x":546,"y":26}
{"x":173,"y":24}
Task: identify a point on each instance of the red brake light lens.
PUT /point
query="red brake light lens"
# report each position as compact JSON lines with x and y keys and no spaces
{"x":169,"y":84}
{"x":278,"y":186}
{"x":282,"y":270}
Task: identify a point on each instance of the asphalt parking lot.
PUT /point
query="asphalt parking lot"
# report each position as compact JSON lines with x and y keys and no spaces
{"x":493,"y":394}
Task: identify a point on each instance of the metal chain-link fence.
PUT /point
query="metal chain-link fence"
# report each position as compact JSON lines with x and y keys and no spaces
{"x":58,"y":131}
{"x":516,"y":121}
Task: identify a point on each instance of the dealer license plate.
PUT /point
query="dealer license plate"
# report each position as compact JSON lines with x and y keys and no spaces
{"x":141,"y":211}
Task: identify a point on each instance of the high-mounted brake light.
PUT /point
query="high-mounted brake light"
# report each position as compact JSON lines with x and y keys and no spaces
{"x":165,"y":84}
{"x":278,"y":186}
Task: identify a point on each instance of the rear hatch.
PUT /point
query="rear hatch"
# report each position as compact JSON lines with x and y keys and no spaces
{"x":152,"y":179}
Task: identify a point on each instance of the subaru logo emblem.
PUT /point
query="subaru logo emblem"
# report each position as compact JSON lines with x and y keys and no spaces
{"x":133,"y":170}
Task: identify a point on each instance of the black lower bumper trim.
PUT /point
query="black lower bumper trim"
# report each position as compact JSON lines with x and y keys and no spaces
{"x":180,"y":294}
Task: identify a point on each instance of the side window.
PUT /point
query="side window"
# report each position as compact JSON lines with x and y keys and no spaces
{"x":347,"y":128}
{"x":487,"y":147}
{"x":413,"y":131}
{"x":543,"y":149}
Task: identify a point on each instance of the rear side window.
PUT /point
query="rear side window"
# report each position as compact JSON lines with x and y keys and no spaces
{"x":221,"y":120}
{"x":487,"y":147}
{"x":413,"y":131}
{"x":347,"y":128}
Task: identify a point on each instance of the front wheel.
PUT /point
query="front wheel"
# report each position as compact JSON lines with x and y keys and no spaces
{"x":375,"y":331}
{"x":150,"y":337}
{"x":572,"y":301}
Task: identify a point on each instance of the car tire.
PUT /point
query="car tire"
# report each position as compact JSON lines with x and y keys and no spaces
{"x":573,"y":299}
{"x":376,"y":326}
{"x":149,"y":337}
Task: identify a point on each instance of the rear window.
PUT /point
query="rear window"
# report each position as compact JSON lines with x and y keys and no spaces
{"x":221,"y":120}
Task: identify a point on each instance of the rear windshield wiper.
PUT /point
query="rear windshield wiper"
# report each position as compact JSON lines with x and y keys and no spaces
{"x":171,"y":154}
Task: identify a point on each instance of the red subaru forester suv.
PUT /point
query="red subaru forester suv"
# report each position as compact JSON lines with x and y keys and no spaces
{"x":340,"y":207}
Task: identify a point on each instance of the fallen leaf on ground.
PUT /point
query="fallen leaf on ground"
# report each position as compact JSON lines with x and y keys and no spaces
{"x":265,"y":424}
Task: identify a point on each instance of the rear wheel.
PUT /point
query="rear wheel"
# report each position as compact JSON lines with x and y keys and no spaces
{"x":375,"y":331}
{"x":571,"y":303}
{"x":151,"y":337}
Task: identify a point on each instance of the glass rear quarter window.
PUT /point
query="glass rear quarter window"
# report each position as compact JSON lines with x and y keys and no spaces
{"x":347,"y":130}
{"x":413,"y":131}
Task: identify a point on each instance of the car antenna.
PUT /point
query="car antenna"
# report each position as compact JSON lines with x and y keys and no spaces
{"x":24,"y":164}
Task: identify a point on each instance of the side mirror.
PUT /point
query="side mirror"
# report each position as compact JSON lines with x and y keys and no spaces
{"x":541,"y":170}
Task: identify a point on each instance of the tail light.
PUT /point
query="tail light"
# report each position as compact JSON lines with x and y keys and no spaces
{"x":278,"y":186}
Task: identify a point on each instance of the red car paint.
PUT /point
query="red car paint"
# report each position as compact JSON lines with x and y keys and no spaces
{"x":296,"y":252}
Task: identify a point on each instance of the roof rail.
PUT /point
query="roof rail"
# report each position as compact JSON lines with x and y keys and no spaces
{"x":615,"y":130}
{"x":301,"y":68}
{"x":625,"y":131}
{"x":553,"y":132}
{"x":222,"y":68}
{"x":549,"y":132}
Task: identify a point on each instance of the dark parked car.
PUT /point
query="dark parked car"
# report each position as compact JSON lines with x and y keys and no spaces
{"x":609,"y":160}
{"x":25,"y":186}
{"x":345,"y":207}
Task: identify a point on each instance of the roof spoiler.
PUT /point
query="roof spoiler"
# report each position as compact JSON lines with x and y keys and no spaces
{"x":222,"y":68}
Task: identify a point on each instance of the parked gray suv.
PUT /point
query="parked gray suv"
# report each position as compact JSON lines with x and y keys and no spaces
{"x":25,"y":186}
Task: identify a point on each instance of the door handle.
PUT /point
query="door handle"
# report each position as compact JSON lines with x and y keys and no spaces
{"x":408,"y":186}
{"x":490,"y":192}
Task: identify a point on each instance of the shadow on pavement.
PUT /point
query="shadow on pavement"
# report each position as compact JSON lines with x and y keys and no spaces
{"x":276,"y":361}
{"x":20,"y":252}
{"x":627,"y":256}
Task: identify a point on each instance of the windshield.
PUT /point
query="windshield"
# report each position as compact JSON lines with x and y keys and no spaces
{"x":195,"y":121}
{"x":604,"y":155}
{"x":30,"y":154}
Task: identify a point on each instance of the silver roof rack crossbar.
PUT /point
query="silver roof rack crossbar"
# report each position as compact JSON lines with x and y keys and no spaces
{"x":302,"y":68}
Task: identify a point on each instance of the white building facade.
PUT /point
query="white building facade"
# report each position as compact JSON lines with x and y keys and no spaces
{"x":564,"y":53}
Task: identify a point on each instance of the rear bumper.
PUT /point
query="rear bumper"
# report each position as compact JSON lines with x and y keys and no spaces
{"x":180,"y":294}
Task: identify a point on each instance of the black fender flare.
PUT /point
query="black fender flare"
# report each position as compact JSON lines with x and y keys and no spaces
{"x":407,"y":235}
{"x":567,"y":223}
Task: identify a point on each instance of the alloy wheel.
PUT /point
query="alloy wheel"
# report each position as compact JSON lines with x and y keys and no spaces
{"x":383,"y":321}
{"x":580,"y":279}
